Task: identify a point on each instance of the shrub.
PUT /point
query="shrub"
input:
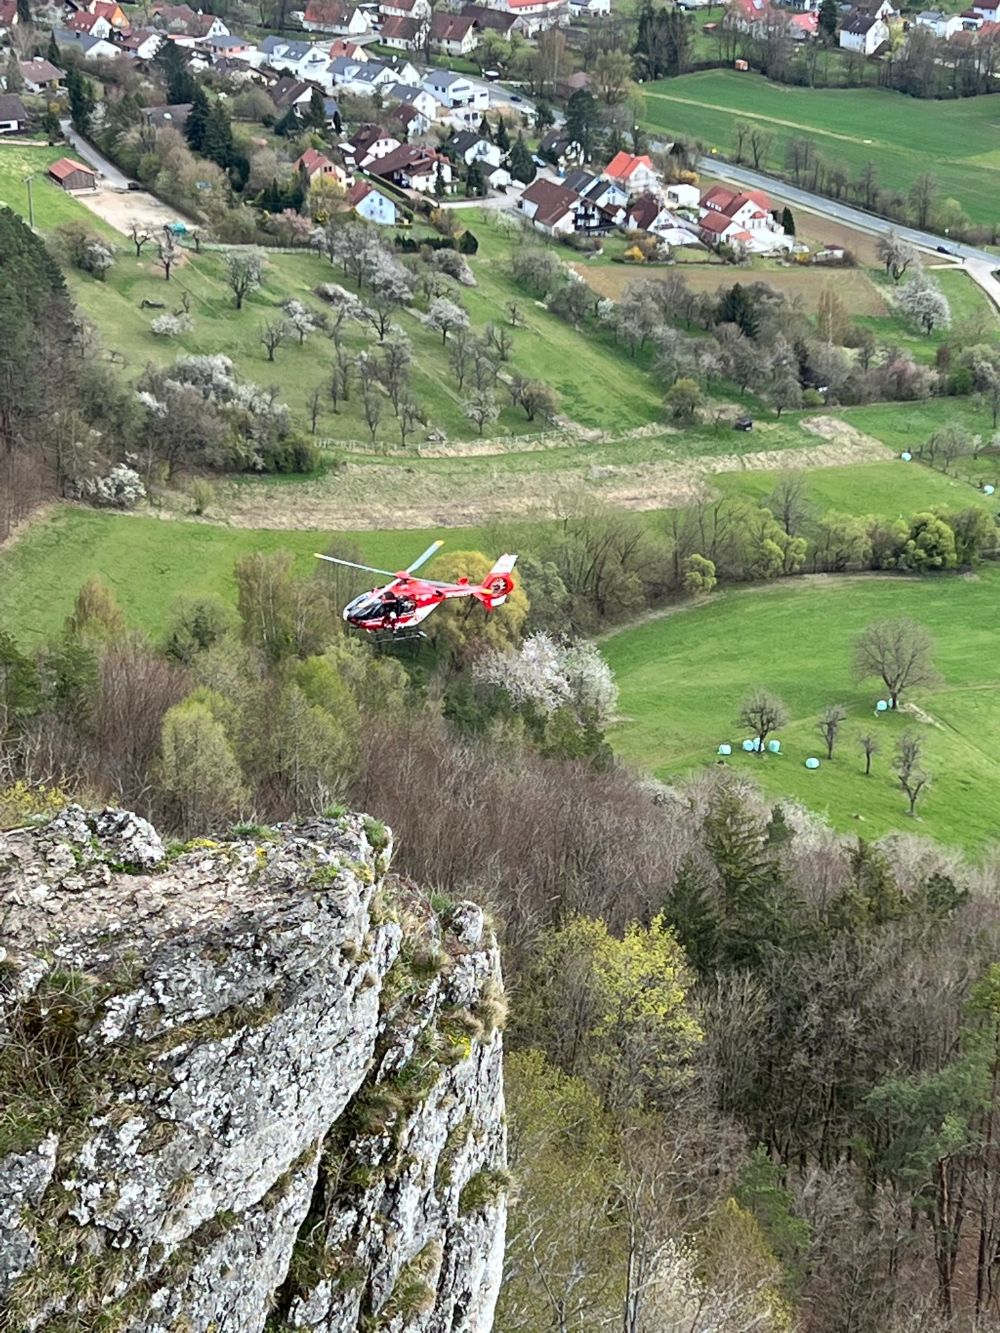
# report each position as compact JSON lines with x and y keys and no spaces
{"x":168,"y":326}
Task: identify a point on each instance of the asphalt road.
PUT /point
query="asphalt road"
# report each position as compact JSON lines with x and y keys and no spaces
{"x":91,"y":156}
{"x":852,"y":217}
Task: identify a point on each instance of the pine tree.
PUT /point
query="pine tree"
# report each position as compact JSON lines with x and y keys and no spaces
{"x":753,"y":907}
{"x":828,"y":15}
{"x":440,"y":189}
{"x":81,"y":100}
{"x":52,"y":51}
{"x":24,"y":13}
{"x":474,"y":183}
{"x":316,"y":115}
{"x":181,"y":86}
{"x":197,"y":120}
{"x":218,"y":140}
{"x":788,"y":221}
{"x":501,"y":138}
{"x":522,"y":168}
{"x":736,"y":306}
{"x":692,"y":913}
{"x":288,"y":126}
{"x":485,"y":129}
{"x":13,"y":75}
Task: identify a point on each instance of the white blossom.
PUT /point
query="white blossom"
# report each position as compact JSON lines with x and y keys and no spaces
{"x":550,"y":675}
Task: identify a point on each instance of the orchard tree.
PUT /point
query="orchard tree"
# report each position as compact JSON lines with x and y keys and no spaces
{"x":829,"y":725}
{"x":445,"y":317}
{"x":869,"y":743}
{"x":923,"y":301}
{"x":683,"y":400}
{"x":897,"y":650}
{"x":912,"y":778}
{"x":244,"y":273}
{"x":896,"y":254}
{"x":762,"y":712}
{"x":272,"y":334}
{"x":482,"y":408}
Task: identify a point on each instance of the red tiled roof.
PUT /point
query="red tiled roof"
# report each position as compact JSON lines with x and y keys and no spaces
{"x":350,"y":50}
{"x":83,"y":22}
{"x":523,"y":4}
{"x":357,"y":192}
{"x":403,"y":29}
{"x":66,"y":166}
{"x":312,"y":160}
{"x":447,"y":27}
{"x":622,"y":165}
{"x":414,"y":159}
{"x":645,"y":211}
{"x":717,"y":223}
{"x":8,"y":13}
{"x":331,"y":12}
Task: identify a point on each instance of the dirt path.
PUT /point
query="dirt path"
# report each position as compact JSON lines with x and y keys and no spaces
{"x":769,"y":120}
{"x":350,"y":498}
{"x":120,"y":209}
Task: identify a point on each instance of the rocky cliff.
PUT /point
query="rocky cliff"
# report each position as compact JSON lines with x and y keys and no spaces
{"x":244,"y":1085}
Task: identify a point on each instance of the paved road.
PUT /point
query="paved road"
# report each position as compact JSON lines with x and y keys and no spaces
{"x":89,"y":154}
{"x":853,"y":217}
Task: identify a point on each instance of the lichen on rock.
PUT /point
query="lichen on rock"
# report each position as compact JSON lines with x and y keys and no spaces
{"x":243,"y":1083}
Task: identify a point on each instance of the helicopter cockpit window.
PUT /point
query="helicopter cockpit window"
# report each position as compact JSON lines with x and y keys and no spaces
{"x":366,"y":607}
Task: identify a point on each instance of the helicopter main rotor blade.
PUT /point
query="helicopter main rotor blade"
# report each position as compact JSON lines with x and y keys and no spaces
{"x":434,"y":546}
{"x":352,"y":565}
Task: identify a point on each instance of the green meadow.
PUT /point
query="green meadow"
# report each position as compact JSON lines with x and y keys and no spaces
{"x":682,"y":676}
{"x":955,"y":141}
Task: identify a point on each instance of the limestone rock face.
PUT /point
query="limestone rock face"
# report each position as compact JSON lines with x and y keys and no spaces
{"x":244,"y":1085}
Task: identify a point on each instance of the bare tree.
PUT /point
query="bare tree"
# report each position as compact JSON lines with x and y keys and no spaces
{"x":869,"y":746}
{"x":460,"y":355}
{"x":272,"y":334}
{"x":167,"y":252}
{"x":763,"y":712}
{"x":912,"y":778}
{"x":513,"y":312}
{"x":497,"y":337}
{"x":409,"y":415}
{"x":896,"y":254}
{"x":482,"y":408}
{"x":140,"y":236}
{"x":829,"y":724}
{"x":372,"y":402}
{"x":899,"y":651}
{"x":313,"y":404}
{"x":340,"y":376}
{"x":788,"y":502}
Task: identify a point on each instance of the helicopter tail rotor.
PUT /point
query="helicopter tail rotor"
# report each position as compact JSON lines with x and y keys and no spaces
{"x":497,"y":586}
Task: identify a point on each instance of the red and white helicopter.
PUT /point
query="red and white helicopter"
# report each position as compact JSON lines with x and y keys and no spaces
{"x":399,"y":606}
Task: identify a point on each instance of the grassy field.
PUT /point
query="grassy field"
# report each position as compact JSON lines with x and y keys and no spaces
{"x":682,"y":676}
{"x":953,"y":140}
{"x":52,"y":205}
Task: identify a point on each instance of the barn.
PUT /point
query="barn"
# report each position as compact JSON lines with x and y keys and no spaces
{"x":73,"y":175}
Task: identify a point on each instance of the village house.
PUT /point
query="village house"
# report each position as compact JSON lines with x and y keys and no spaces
{"x":863,"y":31}
{"x":226,"y":46}
{"x":164,"y":117}
{"x":549,"y":207}
{"x":604,"y":193}
{"x":8,"y":14}
{"x":142,"y":43}
{"x":403,"y":34}
{"x":455,"y":90}
{"x":289,"y":92}
{"x":182,"y":18}
{"x":745,"y":15}
{"x":990,"y":12}
{"x":91,"y":48}
{"x":315,"y":165}
{"x":589,"y":9}
{"x":335,"y":16}
{"x":471,"y":147}
{"x":682,"y":195}
{"x":414,"y":167}
{"x":370,"y":144}
{"x":741,"y":217}
{"x":648,"y":213}
{"x":635,"y":175}
{"x":492,"y":20}
{"x":455,"y":34}
{"x":404,"y":9}
{"x":371,"y":204}
{"x":940,"y":24}
{"x":536,"y":15}
{"x":13,"y":116}
{"x":573,"y":83}
{"x":344,"y":48}
{"x":92,"y":25}
{"x":40,"y":76}
{"x":73,"y":175}
{"x":407,"y":95}
{"x":408,"y":121}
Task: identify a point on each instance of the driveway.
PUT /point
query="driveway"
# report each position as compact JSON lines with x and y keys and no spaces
{"x":93,"y":158}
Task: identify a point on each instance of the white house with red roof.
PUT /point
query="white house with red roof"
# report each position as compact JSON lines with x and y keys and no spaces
{"x":747,"y":14}
{"x":371,"y":204}
{"x":635,"y":175}
{"x":743,"y":218}
{"x":92,"y":25}
{"x":535,"y":14}
{"x":648,"y":213}
{"x":342,"y":48}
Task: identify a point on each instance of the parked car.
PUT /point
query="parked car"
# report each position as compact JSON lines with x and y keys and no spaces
{"x":743,"y":423}
{"x":135,"y":185}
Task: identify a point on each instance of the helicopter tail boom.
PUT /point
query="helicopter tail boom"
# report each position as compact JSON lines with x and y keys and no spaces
{"x":497,"y":586}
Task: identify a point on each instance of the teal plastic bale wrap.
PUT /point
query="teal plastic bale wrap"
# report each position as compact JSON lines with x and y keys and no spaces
{"x":774,"y":747}
{"x":812,"y":762}
{"x":725,"y":749}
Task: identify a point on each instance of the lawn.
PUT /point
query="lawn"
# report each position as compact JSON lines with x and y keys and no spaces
{"x":682,"y":676}
{"x":954,"y":140}
{"x":53,"y":206}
